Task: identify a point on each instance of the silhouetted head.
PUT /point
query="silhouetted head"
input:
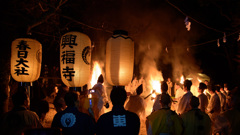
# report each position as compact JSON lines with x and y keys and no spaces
{"x":211,"y":88}
{"x":165,"y":99}
{"x":187,"y":84}
{"x":202,"y":86}
{"x":164,"y":87}
{"x":118,"y":96}
{"x":194,"y":102}
{"x":20,"y":97}
{"x":71,"y":98}
{"x":217,"y":88}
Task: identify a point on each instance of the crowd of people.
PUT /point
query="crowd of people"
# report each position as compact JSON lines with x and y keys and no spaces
{"x":216,"y":110}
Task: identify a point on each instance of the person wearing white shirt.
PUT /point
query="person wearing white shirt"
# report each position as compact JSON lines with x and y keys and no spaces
{"x":184,"y":103}
{"x":178,"y":95}
{"x":214,"y":106}
{"x":222,"y":97}
{"x":203,"y":99}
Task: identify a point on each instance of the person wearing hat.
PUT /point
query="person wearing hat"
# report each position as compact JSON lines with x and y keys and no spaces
{"x":100,"y":97}
{"x":137,"y":104}
{"x":178,"y":95}
{"x":164,"y":121}
{"x":196,"y":122}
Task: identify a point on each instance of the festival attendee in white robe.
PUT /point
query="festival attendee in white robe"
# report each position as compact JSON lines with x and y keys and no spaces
{"x":137,"y":104}
{"x":203,"y":99}
{"x":194,"y":87}
{"x":207,"y":92}
{"x":214,"y":106}
{"x":170,"y":85}
{"x":227,"y":123}
{"x":222,"y":98}
{"x":184,"y":103}
{"x":101,"y":95}
{"x":178,"y":95}
{"x":225,"y":87}
{"x":174,"y":87}
{"x":226,"y":92}
{"x":156,"y":104}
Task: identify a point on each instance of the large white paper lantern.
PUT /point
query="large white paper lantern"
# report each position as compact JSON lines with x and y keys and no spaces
{"x":75,"y":59}
{"x":26,"y":59}
{"x":119,"y":59}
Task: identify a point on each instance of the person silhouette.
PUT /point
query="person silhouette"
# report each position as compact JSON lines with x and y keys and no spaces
{"x":118,"y":121}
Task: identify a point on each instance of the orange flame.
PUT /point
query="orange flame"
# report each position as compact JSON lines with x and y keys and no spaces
{"x":89,"y":95}
{"x":96,"y":72}
{"x":154,"y":95}
{"x":156,"y":86}
{"x":182,"y":79}
{"x":153,"y":82}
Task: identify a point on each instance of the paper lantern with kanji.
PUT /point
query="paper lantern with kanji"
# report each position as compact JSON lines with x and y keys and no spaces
{"x":75,"y":58}
{"x":119,"y":59}
{"x":26,"y":59}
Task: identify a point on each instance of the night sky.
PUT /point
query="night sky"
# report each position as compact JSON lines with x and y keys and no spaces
{"x":156,"y":26}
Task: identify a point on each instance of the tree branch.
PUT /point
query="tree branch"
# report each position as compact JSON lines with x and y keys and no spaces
{"x":78,"y":22}
{"x":46,"y":16}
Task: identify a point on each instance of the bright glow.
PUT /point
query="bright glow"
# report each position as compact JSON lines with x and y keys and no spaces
{"x":119,"y":60}
{"x":82,"y":59}
{"x":96,"y":72}
{"x":152,"y":82}
{"x":154,"y":95}
{"x":199,"y":80}
{"x":89,"y":95}
{"x":56,"y":89}
{"x":182,"y":79}
{"x":156,"y":86}
{"x":31,"y":54}
{"x":206,"y":92}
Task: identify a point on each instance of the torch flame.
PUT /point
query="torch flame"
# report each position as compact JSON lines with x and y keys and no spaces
{"x":96,"y":72}
{"x":182,"y":79}
{"x":89,"y":95}
{"x":156,"y":86}
{"x":154,"y":95}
